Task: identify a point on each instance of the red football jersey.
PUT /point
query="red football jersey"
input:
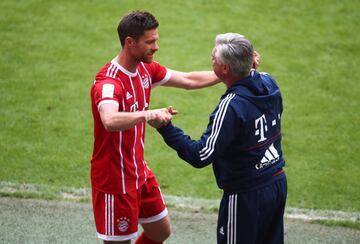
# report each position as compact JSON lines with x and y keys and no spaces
{"x":117,"y":164}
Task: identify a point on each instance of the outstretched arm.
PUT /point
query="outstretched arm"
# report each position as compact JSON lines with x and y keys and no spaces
{"x":192,"y":80}
{"x":220,"y":133}
{"x":113,"y":120}
{"x":199,"y":79}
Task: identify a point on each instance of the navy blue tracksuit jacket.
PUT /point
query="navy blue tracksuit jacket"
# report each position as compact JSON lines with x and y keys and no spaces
{"x":243,"y":138}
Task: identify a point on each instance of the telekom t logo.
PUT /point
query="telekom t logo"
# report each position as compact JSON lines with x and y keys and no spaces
{"x":261,"y":128}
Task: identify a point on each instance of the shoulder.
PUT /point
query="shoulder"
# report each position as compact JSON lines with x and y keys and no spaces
{"x":152,"y":68}
{"x":235,"y":105}
{"x":104,"y":70}
{"x":106,"y":87}
{"x":233,"y":98}
{"x":159,"y":74}
{"x":106,"y":81}
{"x":267,"y":78}
{"x":263,"y":74}
{"x":230,"y":102}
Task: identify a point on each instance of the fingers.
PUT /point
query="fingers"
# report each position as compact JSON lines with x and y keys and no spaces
{"x":160,"y":117}
{"x":171,"y":110}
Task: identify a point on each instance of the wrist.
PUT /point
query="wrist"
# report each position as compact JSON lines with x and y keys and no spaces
{"x":164,"y":128}
{"x":148,"y":114}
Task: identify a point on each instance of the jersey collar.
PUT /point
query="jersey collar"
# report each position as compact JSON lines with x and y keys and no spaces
{"x":125,"y":71}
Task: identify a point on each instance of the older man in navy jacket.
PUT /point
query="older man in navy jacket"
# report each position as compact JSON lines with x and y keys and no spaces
{"x":243,"y":144}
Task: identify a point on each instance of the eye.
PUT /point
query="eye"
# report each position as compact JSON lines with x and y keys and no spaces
{"x":152,"y":41}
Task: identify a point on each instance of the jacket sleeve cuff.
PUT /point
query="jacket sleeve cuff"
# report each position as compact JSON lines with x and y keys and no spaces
{"x":165,"y":129}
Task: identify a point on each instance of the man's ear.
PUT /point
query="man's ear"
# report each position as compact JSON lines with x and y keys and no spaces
{"x":225,"y":69}
{"x":129,"y":41}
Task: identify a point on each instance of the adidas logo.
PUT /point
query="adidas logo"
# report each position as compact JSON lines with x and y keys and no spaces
{"x":128,"y":95}
{"x":271,"y":157}
{"x":221,"y":230}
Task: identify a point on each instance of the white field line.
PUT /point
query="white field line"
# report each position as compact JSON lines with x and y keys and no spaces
{"x":182,"y":202}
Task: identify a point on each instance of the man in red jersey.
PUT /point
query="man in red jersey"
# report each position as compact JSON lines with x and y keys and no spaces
{"x":125,"y":192}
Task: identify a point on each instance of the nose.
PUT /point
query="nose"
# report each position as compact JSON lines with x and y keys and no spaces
{"x":156,"y":46}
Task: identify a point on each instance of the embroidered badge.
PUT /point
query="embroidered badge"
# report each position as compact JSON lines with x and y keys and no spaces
{"x":123,"y":224}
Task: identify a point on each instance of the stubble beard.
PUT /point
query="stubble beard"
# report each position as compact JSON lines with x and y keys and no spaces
{"x":148,"y":57}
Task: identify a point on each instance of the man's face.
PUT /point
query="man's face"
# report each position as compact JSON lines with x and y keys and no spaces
{"x":146,"y":46}
{"x":216,"y":66}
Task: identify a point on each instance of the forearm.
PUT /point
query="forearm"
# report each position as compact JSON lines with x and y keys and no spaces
{"x":200,"y":79}
{"x":123,"y":120}
{"x":186,"y":148}
{"x":115,"y":121}
{"x":192,"y":80}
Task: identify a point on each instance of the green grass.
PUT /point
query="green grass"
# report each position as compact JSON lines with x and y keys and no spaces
{"x":346,"y":224}
{"x":51,"y":50}
{"x":46,"y":192}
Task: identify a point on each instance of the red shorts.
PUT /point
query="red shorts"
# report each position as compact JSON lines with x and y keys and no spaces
{"x":117,"y":215}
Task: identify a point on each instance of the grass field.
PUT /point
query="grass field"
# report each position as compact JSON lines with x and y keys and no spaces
{"x":51,"y":50}
{"x":73,"y":223}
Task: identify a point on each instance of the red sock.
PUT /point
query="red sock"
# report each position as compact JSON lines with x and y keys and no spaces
{"x":143,"y":239}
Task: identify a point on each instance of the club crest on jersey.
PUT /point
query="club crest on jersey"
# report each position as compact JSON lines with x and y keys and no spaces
{"x":123,"y":224}
{"x":145,"y":82}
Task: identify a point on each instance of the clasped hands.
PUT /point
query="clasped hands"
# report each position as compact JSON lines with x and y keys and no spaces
{"x":160,"y":117}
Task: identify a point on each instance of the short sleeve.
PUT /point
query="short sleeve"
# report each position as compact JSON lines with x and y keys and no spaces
{"x":107,"y":91}
{"x":160,"y":74}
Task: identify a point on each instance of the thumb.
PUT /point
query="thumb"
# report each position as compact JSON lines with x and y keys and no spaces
{"x":172,"y":111}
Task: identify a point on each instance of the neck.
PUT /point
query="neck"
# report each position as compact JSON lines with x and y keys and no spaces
{"x":127,"y":61}
{"x":231,"y":79}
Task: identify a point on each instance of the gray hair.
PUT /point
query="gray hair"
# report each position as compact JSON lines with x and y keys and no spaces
{"x":236,"y":51}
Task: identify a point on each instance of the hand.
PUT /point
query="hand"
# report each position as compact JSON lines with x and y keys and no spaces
{"x":171,"y":110}
{"x":160,"y":117}
{"x":256,"y":60}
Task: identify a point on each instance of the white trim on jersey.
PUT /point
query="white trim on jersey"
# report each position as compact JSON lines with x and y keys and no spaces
{"x":231,"y":225}
{"x":122,"y":163}
{"x":106,"y":215}
{"x":121,"y":154}
{"x":125,"y":71}
{"x":109,"y":69}
{"x":142,"y":144}
{"x":142,"y":64}
{"x":112,"y":71}
{"x":134,"y":157}
{"x":155,"y":218}
{"x":163,"y":81}
{"x":146,"y":105}
{"x":117,"y":238}
{"x":107,"y":102}
{"x":135,"y":135}
{"x":216,"y":126}
{"x":109,"y":214}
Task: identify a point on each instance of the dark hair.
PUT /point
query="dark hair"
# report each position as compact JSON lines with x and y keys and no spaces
{"x":135,"y":24}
